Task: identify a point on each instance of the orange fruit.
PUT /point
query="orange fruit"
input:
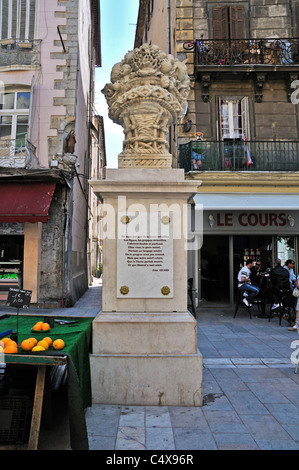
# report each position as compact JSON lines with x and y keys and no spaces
{"x":45,"y":326}
{"x":43,"y":344}
{"x":33,"y":340}
{"x":38,"y":348}
{"x":38,"y":326}
{"x":49,"y":341}
{"x":10,"y":349}
{"x":4,"y":340}
{"x":27,"y":345}
{"x":58,"y":344}
{"x":11,"y":343}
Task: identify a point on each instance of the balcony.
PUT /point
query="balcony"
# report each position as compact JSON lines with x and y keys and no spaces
{"x":237,"y":155}
{"x":214,"y":52}
{"x":19,"y":53}
{"x":244,"y":59}
{"x":17,"y":154}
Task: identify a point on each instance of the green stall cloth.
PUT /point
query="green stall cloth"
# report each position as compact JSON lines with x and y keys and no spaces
{"x":77,"y":339}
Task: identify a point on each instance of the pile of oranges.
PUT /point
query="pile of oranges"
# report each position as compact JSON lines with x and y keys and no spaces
{"x":9,"y":346}
{"x":31,"y":344}
{"x":40,"y":326}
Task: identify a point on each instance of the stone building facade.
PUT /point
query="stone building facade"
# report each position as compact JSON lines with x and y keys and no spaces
{"x":48,"y":53}
{"x":239,"y":137}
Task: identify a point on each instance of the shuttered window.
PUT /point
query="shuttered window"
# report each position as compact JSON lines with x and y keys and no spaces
{"x":228,"y":22}
{"x":17,"y":19}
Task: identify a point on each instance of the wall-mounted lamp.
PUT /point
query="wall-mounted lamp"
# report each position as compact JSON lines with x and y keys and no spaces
{"x":187,"y":125}
{"x":211,"y":220}
{"x":291,"y":220}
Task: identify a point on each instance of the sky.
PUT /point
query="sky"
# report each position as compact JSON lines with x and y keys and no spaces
{"x":118,"y":27}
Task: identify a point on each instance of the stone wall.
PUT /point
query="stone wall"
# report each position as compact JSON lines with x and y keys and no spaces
{"x":53,"y":262}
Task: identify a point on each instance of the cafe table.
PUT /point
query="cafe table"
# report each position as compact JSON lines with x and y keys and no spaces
{"x":75,"y":355}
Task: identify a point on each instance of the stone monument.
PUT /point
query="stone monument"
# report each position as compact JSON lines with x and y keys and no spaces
{"x":144,"y":349}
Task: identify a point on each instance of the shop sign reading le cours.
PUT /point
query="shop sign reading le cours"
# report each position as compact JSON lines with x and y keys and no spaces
{"x":252,"y":219}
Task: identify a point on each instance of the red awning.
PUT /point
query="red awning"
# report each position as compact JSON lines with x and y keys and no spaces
{"x":25,"y":202}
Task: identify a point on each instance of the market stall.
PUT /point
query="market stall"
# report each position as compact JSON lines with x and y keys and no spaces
{"x":76,"y":334}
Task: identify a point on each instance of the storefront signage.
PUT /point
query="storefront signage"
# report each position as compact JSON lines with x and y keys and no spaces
{"x":252,"y":219}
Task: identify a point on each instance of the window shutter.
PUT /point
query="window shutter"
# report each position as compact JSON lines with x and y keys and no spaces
{"x":23,"y":20}
{"x":14,"y":19}
{"x":237,"y":23}
{"x":32,"y":19}
{"x":220,"y":23}
{"x":245,"y":118}
{"x":4,"y":19}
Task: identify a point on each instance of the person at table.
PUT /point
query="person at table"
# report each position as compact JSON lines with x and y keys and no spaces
{"x":257,"y":274}
{"x":295,"y":327}
{"x":279,"y":278}
{"x":245,"y":285}
{"x":279,"y":281}
{"x":289,"y":265}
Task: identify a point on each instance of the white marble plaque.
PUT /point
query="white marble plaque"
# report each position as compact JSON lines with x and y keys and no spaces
{"x":145,"y":255}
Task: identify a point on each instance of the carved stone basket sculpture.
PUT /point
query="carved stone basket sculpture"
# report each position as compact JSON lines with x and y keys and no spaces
{"x":147,"y":94}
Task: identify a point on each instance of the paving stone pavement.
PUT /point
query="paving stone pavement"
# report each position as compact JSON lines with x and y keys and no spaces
{"x":250,"y":391}
{"x":250,"y":395}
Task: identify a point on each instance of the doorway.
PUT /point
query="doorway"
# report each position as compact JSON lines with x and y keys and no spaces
{"x":215,"y":272}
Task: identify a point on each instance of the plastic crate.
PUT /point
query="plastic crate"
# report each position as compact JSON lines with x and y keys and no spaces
{"x":15,"y":419}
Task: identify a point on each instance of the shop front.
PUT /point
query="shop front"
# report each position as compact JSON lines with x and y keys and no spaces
{"x":236,"y":227}
{"x":24,"y":208}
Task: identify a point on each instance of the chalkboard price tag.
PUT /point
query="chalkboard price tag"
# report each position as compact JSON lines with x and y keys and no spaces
{"x":18,"y":298}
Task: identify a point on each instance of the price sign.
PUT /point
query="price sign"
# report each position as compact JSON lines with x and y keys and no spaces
{"x":18,"y":298}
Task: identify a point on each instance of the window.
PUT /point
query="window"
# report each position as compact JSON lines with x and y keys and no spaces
{"x":233,"y":118}
{"x":228,"y":22}
{"x":17,"y":19}
{"x":14,"y":115}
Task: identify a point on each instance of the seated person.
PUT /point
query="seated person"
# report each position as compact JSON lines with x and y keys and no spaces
{"x":244,"y":283}
{"x":279,"y":281}
{"x":257,"y":274}
{"x":289,"y":265}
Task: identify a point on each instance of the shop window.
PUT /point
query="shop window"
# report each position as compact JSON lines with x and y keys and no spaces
{"x":17,"y":19}
{"x":228,"y":22}
{"x":14,"y":116}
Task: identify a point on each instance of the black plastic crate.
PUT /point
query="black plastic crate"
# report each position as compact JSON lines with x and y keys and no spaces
{"x":15,"y":419}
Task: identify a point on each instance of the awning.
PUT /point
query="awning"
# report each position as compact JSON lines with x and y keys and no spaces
{"x":240,"y":201}
{"x":25,"y":202}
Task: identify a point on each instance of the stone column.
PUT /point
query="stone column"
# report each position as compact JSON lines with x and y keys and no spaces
{"x":144,"y":341}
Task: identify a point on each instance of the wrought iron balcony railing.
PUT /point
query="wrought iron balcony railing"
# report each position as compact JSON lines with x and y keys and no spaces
{"x":238,"y":155}
{"x":276,"y":51}
{"x":17,"y":154}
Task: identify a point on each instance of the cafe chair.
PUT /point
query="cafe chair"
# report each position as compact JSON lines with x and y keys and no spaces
{"x":286,"y":305}
{"x":240,"y":303}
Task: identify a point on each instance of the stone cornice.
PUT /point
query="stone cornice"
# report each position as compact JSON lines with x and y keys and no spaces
{"x":257,"y":182}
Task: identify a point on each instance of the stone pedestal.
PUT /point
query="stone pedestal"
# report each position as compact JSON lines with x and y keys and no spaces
{"x":144,"y":349}
{"x":144,"y":341}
